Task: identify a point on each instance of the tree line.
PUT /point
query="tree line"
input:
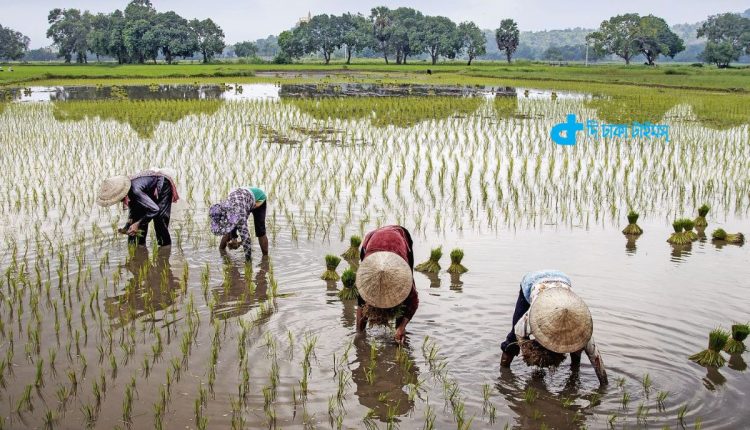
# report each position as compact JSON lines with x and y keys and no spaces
{"x":135,"y":35}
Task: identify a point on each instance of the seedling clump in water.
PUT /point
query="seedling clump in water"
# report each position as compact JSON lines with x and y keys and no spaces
{"x":456,"y":267}
{"x":688,"y":225}
{"x":353,"y":252}
{"x":700,"y":221}
{"x":712,"y":357}
{"x":679,"y":237}
{"x":534,"y":354}
{"x":349,"y":292}
{"x":720,"y":235}
{"x":332,"y":262}
{"x":736,"y":343}
{"x":432,"y":265}
{"x":632,"y":228}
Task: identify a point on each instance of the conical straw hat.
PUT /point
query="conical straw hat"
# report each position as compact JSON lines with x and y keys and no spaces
{"x":113,"y":190}
{"x":384,"y":279}
{"x":560,"y":321}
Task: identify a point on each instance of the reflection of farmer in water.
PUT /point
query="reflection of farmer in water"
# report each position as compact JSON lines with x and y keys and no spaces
{"x":381,"y":383}
{"x":385,"y":281}
{"x":235,"y":297}
{"x":229,"y":219}
{"x":149,"y":196}
{"x":148,"y":289}
{"x":550,"y":321}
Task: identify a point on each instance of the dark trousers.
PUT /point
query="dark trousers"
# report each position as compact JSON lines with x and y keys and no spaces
{"x":510,"y":345}
{"x":161,"y":220}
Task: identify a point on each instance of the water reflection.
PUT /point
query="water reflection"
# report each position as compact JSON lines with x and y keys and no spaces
{"x":736,"y":362}
{"x":152,"y":287}
{"x":713,"y":379}
{"x":456,"y":283}
{"x":534,"y":404}
{"x":383,"y":373}
{"x":434,"y":278}
{"x":680,"y":252}
{"x":630,"y":244}
{"x":240,"y":290}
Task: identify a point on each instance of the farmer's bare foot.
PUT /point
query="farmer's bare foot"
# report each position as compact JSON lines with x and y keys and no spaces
{"x":506,"y":359}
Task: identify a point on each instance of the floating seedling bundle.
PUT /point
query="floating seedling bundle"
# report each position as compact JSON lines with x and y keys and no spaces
{"x":679,"y":237}
{"x":349,"y":292}
{"x":534,"y":354}
{"x":332,"y":262}
{"x":353,"y":252}
{"x":688,"y":225}
{"x":700,"y":221}
{"x":632,"y":228}
{"x":456,"y":267}
{"x":736,"y":343}
{"x":712,"y":357}
{"x":432,"y":265}
{"x":720,"y":235}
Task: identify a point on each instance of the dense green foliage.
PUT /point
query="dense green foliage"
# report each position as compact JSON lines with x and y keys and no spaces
{"x":728,"y":37}
{"x":628,"y":35}
{"x":507,"y":37}
{"x":135,"y":35}
{"x":13,"y":44}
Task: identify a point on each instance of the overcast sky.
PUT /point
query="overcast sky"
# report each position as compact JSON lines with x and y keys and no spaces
{"x":253,"y":19}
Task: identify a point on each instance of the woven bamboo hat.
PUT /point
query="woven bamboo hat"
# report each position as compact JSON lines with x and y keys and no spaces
{"x":384,"y":279}
{"x":113,"y":190}
{"x":560,"y":321}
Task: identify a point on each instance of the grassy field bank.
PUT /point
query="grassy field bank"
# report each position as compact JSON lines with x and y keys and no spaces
{"x":495,"y":73}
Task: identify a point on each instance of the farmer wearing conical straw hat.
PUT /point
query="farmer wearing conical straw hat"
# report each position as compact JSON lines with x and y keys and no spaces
{"x":149,"y":196}
{"x":229,"y":219}
{"x":385,"y":280}
{"x":549,"y":321}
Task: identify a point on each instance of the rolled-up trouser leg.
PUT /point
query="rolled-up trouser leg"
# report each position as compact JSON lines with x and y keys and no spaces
{"x":510,"y":345}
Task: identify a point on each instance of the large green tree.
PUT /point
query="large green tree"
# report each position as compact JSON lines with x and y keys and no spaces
{"x":507,"y":37}
{"x":654,"y":38}
{"x":355,"y":34}
{"x":618,"y":35}
{"x":382,"y":28}
{"x":323,"y":35}
{"x":13,"y":44}
{"x":245,"y":49}
{"x":210,"y":38}
{"x":174,"y":36}
{"x":407,"y":35}
{"x":728,"y":36}
{"x":69,"y":30}
{"x":472,"y":40}
{"x":440,"y":37}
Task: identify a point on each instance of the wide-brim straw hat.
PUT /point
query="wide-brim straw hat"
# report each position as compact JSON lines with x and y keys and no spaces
{"x":560,"y":321}
{"x":384,"y":279}
{"x":113,"y":190}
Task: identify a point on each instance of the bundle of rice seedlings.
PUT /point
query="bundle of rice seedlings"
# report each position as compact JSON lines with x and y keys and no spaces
{"x":332,"y":262}
{"x":632,"y":227}
{"x":349,"y":292}
{"x":736,"y":343}
{"x":379,"y":316}
{"x":353,"y":252}
{"x":712,"y":357}
{"x":678,"y":237}
{"x":431,"y":265}
{"x":700,"y":221}
{"x":456,"y":267}
{"x":688,"y":225}
{"x":720,"y":234}
{"x":534,"y":354}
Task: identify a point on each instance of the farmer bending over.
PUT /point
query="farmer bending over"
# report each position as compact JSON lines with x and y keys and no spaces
{"x":550,"y":321}
{"x":149,"y":196}
{"x":229,"y":219}
{"x":385,"y":280}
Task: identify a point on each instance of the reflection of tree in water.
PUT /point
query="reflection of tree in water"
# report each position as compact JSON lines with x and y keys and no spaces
{"x":385,"y":111}
{"x":392,"y":370}
{"x":152,"y":287}
{"x":534,"y":404}
{"x":241,"y":290}
{"x":143,"y":116}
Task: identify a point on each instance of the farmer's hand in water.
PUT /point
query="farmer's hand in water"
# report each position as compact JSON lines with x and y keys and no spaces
{"x":234,"y":244}
{"x":133,"y":229}
{"x":401,"y":331}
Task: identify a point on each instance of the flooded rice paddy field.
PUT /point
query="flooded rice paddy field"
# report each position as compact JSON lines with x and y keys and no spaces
{"x":93,"y":334}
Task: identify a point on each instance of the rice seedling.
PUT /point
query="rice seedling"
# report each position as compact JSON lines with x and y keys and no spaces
{"x":688,"y":225}
{"x":625,"y":399}
{"x":679,"y":237}
{"x":736,"y":343}
{"x":712,"y":357}
{"x":700,"y":220}
{"x":661,"y":397}
{"x":349,"y":290}
{"x":432,"y":265}
{"x":632,"y":228}
{"x":456,"y":267}
{"x":530,"y":395}
{"x":681,"y":413}
{"x":352,"y":253}
{"x":647,"y":383}
{"x":332,"y":262}
{"x":719,"y":235}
